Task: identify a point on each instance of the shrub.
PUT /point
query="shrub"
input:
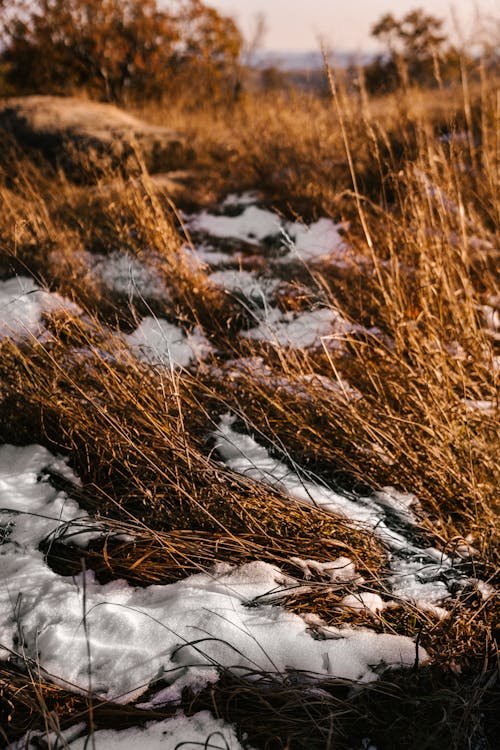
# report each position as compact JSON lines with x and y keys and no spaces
{"x":117,"y":49}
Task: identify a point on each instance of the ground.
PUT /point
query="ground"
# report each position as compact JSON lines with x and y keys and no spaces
{"x":249,"y":429}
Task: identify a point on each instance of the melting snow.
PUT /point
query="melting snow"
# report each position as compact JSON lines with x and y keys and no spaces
{"x":253,"y":225}
{"x":340,"y":570}
{"x":365,"y":600}
{"x":422,"y":575}
{"x":301,"y":330}
{"x":255,"y":289}
{"x":159,"y":342}
{"x":189,"y":732}
{"x":22,"y":305}
{"x":310,"y":243}
{"x":135,"y":636}
{"x":125,"y":274}
{"x":205,"y":255}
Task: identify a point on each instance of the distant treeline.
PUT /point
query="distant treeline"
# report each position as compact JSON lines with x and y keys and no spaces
{"x":133,"y":50}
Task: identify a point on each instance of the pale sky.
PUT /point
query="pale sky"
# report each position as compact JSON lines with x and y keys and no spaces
{"x":296,"y":25}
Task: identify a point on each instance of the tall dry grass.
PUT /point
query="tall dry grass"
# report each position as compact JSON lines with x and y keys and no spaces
{"x":423,"y":224}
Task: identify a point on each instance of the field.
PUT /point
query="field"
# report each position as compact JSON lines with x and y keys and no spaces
{"x":249,"y":428}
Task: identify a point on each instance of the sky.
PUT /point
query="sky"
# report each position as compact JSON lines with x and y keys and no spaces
{"x":344,"y":25}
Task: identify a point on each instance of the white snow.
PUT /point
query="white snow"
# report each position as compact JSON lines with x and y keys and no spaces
{"x":240,"y":199}
{"x":314,"y":242}
{"x":201,"y":730}
{"x":418,"y":581}
{"x":365,"y":600}
{"x":159,"y":342}
{"x":135,"y":636}
{"x":22,"y":305}
{"x":245,"y":456}
{"x":340,"y":570}
{"x":205,"y":255}
{"x":125,"y":274}
{"x":248,"y":284}
{"x":30,"y":508}
{"x":253,"y":225}
{"x":301,"y":330}
{"x":417,"y":574}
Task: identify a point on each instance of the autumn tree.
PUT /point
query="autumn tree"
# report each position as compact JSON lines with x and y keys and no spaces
{"x":116,"y":49}
{"x":209,"y":48}
{"x":415,"y":48}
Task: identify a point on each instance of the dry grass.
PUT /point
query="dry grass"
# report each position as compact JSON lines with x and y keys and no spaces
{"x":423,"y":219}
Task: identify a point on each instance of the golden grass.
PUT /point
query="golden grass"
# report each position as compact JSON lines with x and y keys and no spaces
{"x":423,"y":219}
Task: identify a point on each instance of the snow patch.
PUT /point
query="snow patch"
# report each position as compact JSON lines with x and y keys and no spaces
{"x":137,"y":636}
{"x":365,"y":600}
{"x":255,"y":289}
{"x":201,"y":730}
{"x":159,"y":342}
{"x":314,"y":242}
{"x":125,"y":274}
{"x":253,"y":225}
{"x":22,"y":305}
{"x":421,"y":575}
{"x":340,"y":570}
{"x":301,"y":330}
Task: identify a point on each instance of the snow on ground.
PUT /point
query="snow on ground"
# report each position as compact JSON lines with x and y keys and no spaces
{"x":22,"y":305}
{"x":205,"y":255}
{"x":30,"y":509}
{"x":159,"y":342}
{"x":310,"y":243}
{"x":124,"y":274}
{"x":302,"y":330}
{"x":254,"y":225}
{"x":135,"y":636}
{"x":365,"y":600}
{"x":247,"y":284}
{"x":340,"y":570}
{"x":420,"y":574}
{"x":201,"y":730}
{"x":178,"y":635}
{"x":481,"y":405}
{"x":240,"y":199}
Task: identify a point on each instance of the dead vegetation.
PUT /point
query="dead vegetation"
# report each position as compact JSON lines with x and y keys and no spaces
{"x":423,"y":216}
